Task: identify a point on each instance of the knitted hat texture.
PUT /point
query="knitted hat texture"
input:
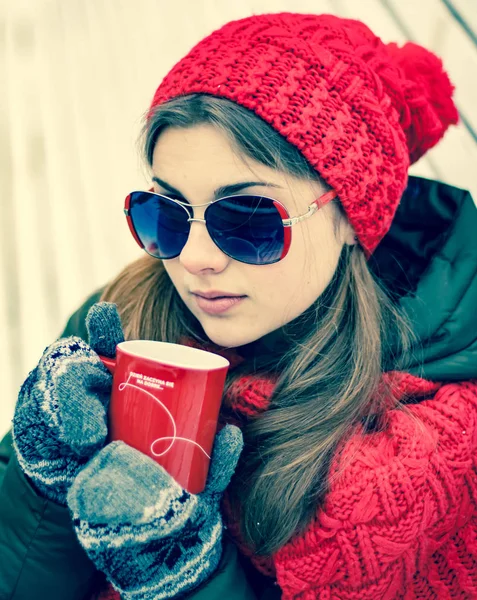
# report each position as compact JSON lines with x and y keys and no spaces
{"x":358,"y":110}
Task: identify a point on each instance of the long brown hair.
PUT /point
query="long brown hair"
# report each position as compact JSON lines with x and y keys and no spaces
{"x":327,"y":381}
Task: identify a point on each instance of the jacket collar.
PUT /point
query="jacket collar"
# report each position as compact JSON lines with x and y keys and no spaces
{"x":428,"y":261}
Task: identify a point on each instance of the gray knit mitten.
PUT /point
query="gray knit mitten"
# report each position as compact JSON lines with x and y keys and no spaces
{"x":149,"y":536}
{"x":60,"y":417}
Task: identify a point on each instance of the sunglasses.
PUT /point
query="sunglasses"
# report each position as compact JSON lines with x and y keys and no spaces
{"x":251,"y":229}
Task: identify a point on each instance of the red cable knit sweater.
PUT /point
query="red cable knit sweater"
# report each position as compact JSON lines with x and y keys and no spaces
{"x":400,"y":521}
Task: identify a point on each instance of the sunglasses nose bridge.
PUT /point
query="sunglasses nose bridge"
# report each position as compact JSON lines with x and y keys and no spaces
{"x":196,"y":220}
{"x":192,"y":220}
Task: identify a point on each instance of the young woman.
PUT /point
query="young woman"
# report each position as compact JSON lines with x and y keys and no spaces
{"x":282,"y":231}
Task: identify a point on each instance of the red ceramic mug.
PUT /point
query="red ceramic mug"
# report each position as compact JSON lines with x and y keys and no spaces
{"x":165,"y":402}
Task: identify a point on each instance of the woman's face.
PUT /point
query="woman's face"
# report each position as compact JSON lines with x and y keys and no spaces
{"x":196,"y":161}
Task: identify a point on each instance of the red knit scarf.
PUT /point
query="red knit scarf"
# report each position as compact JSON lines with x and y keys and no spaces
{"x":248,"y":397}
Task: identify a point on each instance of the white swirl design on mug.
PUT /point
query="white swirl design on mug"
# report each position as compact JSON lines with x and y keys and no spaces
{"x":172,"y":438}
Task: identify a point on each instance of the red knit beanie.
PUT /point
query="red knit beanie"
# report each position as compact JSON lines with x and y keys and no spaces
{"x":360,"y":111}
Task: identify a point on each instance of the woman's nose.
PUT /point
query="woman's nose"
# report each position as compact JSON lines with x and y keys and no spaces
{"x":200,"y":252}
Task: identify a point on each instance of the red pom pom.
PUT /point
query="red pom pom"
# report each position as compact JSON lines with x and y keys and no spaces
{"x":427,"y":92}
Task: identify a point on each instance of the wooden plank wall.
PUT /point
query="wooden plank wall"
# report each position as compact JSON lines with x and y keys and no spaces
{"x":77,"y":77}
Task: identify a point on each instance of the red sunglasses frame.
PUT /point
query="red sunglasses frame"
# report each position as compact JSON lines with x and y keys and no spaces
{"x":287,"y":221}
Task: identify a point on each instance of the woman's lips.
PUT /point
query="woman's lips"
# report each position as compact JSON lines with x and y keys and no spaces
{"x":214,"y":306}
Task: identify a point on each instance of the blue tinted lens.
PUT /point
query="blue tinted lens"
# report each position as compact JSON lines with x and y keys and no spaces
{"x":247,"y":228}
{"x":160,"y":224}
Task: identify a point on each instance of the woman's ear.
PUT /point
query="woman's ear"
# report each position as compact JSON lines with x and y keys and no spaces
{"x":346,"y":231}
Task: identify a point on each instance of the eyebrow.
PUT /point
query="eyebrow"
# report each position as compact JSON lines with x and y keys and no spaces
{"x":220,"y":192}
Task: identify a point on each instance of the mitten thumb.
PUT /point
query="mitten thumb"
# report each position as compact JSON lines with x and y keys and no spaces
{"x":225,"y":456}
{"x":104,"y":328}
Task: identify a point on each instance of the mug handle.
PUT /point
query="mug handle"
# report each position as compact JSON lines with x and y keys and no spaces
{"x":109,"y":363}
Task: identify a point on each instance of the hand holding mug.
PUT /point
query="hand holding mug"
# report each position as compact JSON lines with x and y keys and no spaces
{"x":151,"y":538}
{"x":60,"y":419}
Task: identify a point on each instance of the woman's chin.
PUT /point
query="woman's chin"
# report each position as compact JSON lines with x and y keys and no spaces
{"x":229,"y":339}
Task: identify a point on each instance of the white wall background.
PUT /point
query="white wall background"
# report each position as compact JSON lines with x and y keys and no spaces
{"x":76,"y":77}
